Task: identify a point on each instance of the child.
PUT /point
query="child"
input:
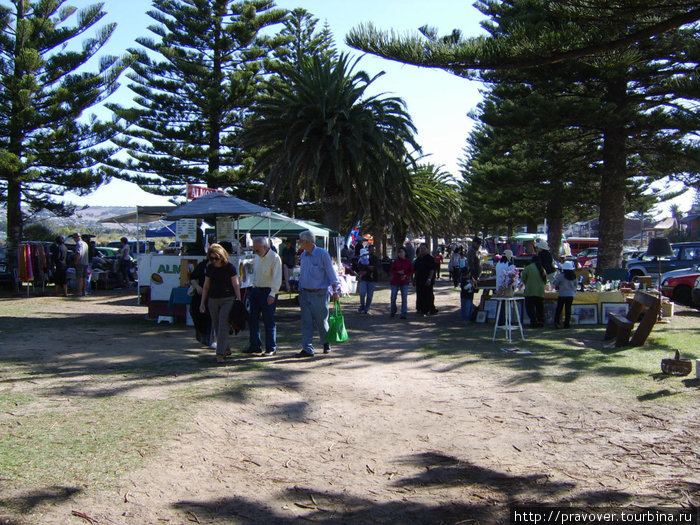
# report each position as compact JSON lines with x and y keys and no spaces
{"x":565,"y":283}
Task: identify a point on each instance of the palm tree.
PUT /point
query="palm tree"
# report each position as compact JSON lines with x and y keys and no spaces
{"x":319,"y":137}
{"x":434,"y":205}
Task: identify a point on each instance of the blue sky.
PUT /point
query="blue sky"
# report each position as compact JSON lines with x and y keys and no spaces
{"x":437,"y":101}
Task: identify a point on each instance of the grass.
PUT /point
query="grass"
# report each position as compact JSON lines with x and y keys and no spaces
{"x":80,"y":442}
{"x":577,"y":362}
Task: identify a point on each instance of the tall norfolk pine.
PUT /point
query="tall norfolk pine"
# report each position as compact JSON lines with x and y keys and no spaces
{"x":633,"y":63}
{"x":45,"y":146}
{"x":193,"y":86}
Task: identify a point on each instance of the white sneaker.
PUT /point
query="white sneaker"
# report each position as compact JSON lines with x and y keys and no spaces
{"x":213,"y":345}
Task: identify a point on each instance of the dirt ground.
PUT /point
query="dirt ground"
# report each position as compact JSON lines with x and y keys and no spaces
{"x":375,"y":432}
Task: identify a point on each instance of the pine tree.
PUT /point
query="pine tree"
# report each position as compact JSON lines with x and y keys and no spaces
{"x":636,"y":93}
{"x":194,"y":85}
{"x":303,"y":42}
{"x":46,"y":145}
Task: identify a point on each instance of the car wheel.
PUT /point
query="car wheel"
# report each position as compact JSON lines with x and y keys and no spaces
{"x":682,"y":295}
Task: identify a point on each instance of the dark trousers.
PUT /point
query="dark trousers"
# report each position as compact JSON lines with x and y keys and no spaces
{"x":258,"y":305}
{"x":425,"y":299}
{"x":202,"y":321}
{"x":563,"y":303}
{"x":535,"y":310}
{"x":125,"y":270}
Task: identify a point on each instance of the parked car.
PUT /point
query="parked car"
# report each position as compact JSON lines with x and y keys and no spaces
{"x":143,"y":247}
{"x":107,"y":252}
{"x":632,"y":253}
{"x":685,"y":255}
{"x":678,"y":285}
{"x":586,"y":255}
{"x":174,"y":248}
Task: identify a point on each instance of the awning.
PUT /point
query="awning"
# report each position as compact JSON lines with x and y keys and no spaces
{"x":215,"y":205}
{"x":142,"y":214}
{"x":278,"y":225}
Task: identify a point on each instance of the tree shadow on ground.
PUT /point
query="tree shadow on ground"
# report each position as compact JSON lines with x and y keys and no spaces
{"x":27,"y":502}
{"x":126,"y":352}
{"x":487,"y":496}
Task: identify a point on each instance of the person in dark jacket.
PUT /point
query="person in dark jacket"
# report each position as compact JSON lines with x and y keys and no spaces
{"x":367,"y":268}
{"x":424,"y":270}
{"x":544,"y":257}
{"x":59,"y":255}
{"x":468,"y":282}
{"x":201,"y":320}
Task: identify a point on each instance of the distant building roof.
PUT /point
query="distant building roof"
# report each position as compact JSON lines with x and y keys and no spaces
{"x":665,"y":224}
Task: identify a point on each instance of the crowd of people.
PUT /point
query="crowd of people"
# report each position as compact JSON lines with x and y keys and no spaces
{"x":79,"y":263}
{"x":217,"y":289}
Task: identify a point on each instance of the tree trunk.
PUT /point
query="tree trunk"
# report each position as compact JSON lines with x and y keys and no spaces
{"x":398,"y":237}
{"x":333,"y":210}
{"x":14,"y":228}
{"x":214,"y":154}
{"x":15,"y":221}
{"x":385,"y":244}
{"x":555,"y":223}
{"x":613,"y":189}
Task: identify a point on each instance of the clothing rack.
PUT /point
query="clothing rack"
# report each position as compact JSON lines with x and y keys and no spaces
{"x":32,"y":264}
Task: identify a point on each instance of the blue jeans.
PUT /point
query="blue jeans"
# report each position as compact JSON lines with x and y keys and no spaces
{"x":258,"y":304}
{"x":366,"y":289}
{"x":314,"y":316}
{"x":404,"y":292}
{"x":467,"y":307}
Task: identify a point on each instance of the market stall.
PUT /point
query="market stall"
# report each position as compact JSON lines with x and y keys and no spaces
{"x":163,"y":278}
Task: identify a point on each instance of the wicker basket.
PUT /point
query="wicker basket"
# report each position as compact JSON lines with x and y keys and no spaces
{"x":676,"y":366}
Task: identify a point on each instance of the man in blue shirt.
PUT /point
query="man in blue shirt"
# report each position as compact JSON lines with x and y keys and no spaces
{"x":315,"y":276}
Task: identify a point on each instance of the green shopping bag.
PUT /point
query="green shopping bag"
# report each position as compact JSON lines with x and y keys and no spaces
{"x":336,"y":326}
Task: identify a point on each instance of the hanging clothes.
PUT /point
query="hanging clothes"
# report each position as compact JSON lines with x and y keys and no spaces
{"x":38,"y":261}
{"x":25,"y":263}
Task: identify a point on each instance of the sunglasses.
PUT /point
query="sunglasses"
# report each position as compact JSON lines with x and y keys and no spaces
{"x":214,"y":258}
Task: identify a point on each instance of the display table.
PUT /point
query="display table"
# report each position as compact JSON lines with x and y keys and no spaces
{"x":510,"y":305}
{"x":592,"y":297}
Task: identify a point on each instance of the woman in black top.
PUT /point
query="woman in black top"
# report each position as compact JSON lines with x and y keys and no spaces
{"x":220,"y":288}
{"x":424,"y":269}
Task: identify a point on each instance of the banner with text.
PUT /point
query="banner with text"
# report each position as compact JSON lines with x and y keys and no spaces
{"x":194,"y":191}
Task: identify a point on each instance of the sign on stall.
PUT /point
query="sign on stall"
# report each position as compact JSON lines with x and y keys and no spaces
{"x":224,"y":229}
{"x":186,"y":230}
{"x":194,"y":191}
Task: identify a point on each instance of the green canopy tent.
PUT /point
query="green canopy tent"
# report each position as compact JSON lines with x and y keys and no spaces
{"x":278,"y":225}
